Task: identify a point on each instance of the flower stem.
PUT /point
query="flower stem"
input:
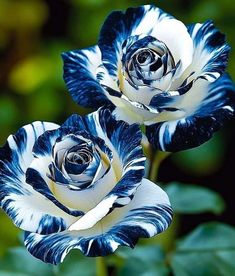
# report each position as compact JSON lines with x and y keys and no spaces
{"x":101,"y":269}
{"x":156,"y":159}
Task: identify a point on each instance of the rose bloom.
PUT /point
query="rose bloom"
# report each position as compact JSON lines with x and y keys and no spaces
{"x":150,"y":68}
{"x":80,"y":185}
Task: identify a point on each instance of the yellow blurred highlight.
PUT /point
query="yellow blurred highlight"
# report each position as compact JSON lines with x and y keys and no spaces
{"x":30,"y":74}
{"x":23,"y":14}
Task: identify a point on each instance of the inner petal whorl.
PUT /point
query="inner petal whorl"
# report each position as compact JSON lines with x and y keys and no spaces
{"x":146,"y":60}
{"x":80,"y":154}
{"x":78,"y":161}
{"x":144,"y":57}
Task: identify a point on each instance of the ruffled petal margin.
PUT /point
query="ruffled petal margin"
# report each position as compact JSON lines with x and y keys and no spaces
{"x":148,"y":214}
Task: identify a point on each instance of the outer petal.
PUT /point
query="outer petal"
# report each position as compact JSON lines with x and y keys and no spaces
{"x":148,"y":214}
{"x":210,"y":52}
{"x":80,"y":69}
{"x":174,"y":34}
{"x":27,"y":208}
{"x":198,"y":127}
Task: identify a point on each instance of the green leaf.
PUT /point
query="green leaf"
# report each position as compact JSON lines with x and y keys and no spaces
{"x":201,"y":264}
{"x":191,"y":199}
{"x":210,"y":236}
{"x":76,"y":264}
{"x":140,"y":268}
{"x":19,"y":262}
{"x":208,"y":250}
{"x":147,"y":253}
{"x":7,"y":273}
{"x":143,"y":261}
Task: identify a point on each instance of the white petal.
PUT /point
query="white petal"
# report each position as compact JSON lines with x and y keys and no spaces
{"x":148,"y":194}
{"x":176,"y":37}
{"x":86,"y":199}
{"x":148,"y":214}
{"x":29,"y":210}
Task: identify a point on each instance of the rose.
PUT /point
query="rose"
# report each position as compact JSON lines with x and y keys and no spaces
{"x":80,"y":185}
{"x":152,"y":69}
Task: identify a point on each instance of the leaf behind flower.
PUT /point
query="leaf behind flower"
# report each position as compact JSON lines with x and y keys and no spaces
{"x":193,"y":199}
{"x":208,"y":250}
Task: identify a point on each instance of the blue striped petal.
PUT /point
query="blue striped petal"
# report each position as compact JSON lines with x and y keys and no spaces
{"x":36,"y":179}
{"x":128,"y":161}
{"x":80,"y":68}
{"x":118,"y":26}
{"x":37,"y":174}
{"x":198,"y":127}
{"x":148,"y":214}
{"x":28,"y":209}
{"x":125,"y":141}
{"x":210,"y":51}
{"x":112,"y":187}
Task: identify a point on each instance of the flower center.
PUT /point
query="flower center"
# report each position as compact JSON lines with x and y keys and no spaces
{"x":80,"y":155}
{"x":146,"y":61}
{"x":144,"y":57}
{"x":79,"y":161}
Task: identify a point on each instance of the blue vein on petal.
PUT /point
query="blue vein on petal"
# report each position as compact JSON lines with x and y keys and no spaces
{"x":212,"y":40}
{"x":117,"y":28}
{"x":11,"y":183}
{"x":53,"y":248}
{"x":81,"y":80}
{"x":199,"y":127}
{"x":34,"y":178}
{"x":126,"y":139}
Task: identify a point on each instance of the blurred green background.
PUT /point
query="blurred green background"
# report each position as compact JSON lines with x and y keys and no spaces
{"x":33,"y":34}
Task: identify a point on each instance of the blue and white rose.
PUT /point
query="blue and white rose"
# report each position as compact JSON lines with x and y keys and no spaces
{"x":80,"y":185}
{"x":152,"y":69}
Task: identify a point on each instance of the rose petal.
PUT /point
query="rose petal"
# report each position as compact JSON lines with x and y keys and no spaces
{"x":37,"y":179}
{"x":208,"y":105}
{"x":59,"y":191}
{"x":86,"y":198}
{"x":80,"y":76}
{"x":142,"y":94}
{"x":38,"y":171}
{"x":175,"y":35}
{"x":124,"y":141}
{"x":132,"y":111}
{"x":118,"y":26}
{"x":210,"y":51}
{"x":148,"y":214}
{"x":124,"y":175}
{"x":28,"y":209}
